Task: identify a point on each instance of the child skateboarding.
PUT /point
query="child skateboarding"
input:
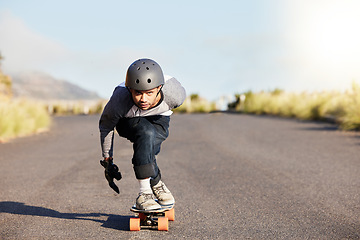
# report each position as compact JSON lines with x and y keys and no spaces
{"x":140,"y":109}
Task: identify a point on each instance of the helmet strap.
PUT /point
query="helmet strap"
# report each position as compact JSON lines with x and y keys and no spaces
{"x":159,"y":90}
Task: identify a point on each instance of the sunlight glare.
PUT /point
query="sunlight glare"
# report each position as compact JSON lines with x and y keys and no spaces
{"x":325,"y":36}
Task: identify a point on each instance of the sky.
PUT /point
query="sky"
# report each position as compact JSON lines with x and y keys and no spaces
{"x":214,"y":48}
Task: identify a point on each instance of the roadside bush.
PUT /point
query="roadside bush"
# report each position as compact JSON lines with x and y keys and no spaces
{"x":343,"y":108}
{"x":21,"y":118}
{"x":351,"y":117}
{"x":195,"y":104}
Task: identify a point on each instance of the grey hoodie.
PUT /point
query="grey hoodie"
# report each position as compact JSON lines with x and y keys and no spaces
{"x":121,"y":105}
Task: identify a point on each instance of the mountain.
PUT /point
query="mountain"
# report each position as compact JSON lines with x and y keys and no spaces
{"x":41,"y":86}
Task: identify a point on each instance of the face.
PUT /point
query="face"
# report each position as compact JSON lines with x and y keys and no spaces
{"x":146,"y":99}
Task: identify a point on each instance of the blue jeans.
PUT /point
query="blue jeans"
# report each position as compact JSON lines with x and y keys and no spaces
{"x":146,"y":134}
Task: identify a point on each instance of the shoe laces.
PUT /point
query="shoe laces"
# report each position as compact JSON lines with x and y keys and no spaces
{"x":147,"y":196}
{"x":159,"y":189}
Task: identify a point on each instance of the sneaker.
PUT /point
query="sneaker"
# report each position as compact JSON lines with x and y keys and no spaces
{"x":146,"y":201}
{"x":163,"y":194}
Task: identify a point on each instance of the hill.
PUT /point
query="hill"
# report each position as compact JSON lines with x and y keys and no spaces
{"x":41,"y":86}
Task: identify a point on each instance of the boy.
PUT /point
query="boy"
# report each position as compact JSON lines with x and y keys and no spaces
{"x":140,"y":111}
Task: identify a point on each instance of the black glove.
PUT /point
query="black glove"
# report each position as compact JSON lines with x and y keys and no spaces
{"x":111,"y":172}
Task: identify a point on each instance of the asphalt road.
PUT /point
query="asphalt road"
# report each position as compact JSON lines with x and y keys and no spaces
{"x":233,"y":176}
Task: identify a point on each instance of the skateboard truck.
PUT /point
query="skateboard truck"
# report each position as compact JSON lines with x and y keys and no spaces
{"x":149,"y":222}
{"x":157,"y":219}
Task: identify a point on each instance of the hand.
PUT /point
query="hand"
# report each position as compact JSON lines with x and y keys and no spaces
{"x":111,"y":172}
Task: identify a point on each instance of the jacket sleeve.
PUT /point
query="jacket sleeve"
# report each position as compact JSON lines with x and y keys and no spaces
{"x":113,"y":111}
{"x":175,"y":94}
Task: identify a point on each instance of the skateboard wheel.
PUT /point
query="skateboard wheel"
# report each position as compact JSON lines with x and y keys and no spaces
{"x":170,"y":214}
{"x":163,"y":224}
{"x":134,"y":224}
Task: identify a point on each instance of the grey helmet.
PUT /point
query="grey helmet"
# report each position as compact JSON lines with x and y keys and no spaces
{"x":144,"y":74}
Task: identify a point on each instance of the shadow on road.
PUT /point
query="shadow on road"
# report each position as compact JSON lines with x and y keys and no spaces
{"x":321,"y":128}
{"x":116,"y":222}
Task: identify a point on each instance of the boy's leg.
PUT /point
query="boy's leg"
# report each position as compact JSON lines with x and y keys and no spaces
{"x":158,"y":187}
{"x":147,"y":134}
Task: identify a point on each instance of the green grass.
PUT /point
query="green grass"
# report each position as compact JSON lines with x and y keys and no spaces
{"x":21,"y":118}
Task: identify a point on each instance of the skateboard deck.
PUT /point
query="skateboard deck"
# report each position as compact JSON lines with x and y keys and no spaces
{"x":152,"y":219}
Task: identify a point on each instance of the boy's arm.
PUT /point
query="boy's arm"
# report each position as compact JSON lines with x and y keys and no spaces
{"x":106,"y":126}
{"x":118,"y":105}
{"x":174,"y":92}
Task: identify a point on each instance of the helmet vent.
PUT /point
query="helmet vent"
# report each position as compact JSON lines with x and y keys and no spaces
{"x":149,"y":80}
{"x":147,"y":68}
{"x":137,"y":81}
{"x":138,"y":68}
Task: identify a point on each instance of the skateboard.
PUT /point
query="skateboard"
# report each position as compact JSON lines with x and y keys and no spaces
{"x":152,"y":219}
